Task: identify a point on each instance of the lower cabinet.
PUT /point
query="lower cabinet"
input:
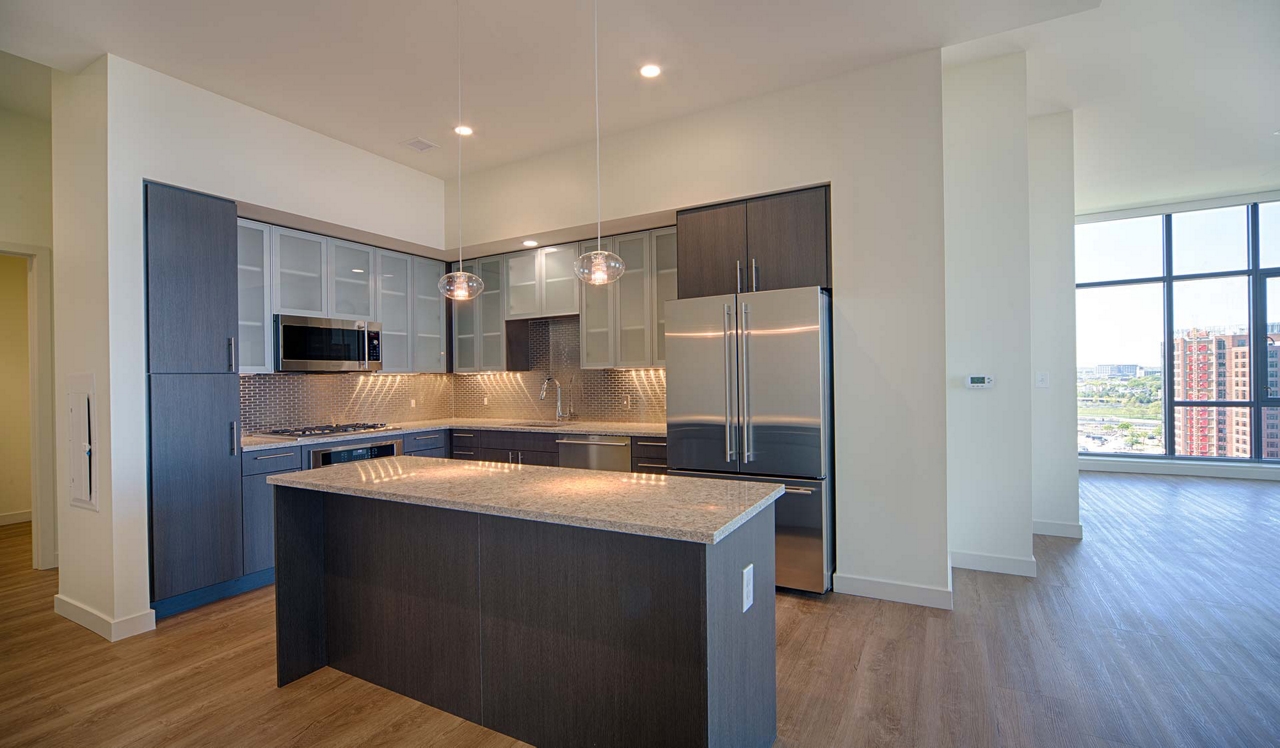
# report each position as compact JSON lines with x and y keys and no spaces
{"x":437,"y":452}
{"x":259,"y":522}
{"x":520,"y":457}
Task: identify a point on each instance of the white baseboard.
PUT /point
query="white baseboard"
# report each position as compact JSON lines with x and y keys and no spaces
{"x":1057,"y":529}
{"x":1023,"y":567}
{"x":107,"y":628}
{"x":1194,"y":468}
{"x":898,"y":592}
{"x":13,"y":518}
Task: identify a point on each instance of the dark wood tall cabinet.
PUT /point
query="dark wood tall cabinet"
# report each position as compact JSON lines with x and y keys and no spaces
{"x":762,"y":244}
{"x":194,"y":392}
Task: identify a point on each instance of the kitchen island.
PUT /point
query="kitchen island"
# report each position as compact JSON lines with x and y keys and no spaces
{"x":557,"y":606}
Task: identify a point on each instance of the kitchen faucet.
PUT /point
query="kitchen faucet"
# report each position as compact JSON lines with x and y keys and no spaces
{"x":561,"y":414}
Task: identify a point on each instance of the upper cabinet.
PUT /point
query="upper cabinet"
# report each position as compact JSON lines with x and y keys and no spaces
{"x":428,"y":323}
{"x":787,"y":241}
{"x":300,"y":268}
{"x":190,"y":265}
{"x":767,"y":243}
{"x":622,"y":322}
{"x":479,"y":324}
{"x":253,"y":264}
{"x":393,"y":309}
{"x":351,"y":280}
{"x":541,"y":282}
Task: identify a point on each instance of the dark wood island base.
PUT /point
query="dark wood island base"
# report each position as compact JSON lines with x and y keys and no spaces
{"x":553,"y":634}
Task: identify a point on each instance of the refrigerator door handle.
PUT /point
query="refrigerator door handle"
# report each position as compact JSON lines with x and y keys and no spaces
{"x":728,"y":386}
{"x":747,"y":455}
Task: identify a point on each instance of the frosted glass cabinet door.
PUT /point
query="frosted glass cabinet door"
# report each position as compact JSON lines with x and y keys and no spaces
{"x":662,"y":242}
{"x":634,"y":327}
{"x":464,"y":330}
{"x":428,"y":316}
{"x":559,"y":282}
{"x":393,"y":309}
{"x":597,"y":321}
{"x":492,"y":323}
{"x":352,"y":280}
{"x":253,"y":268}
{"x":299,"y":264}
{"x":524,"y":297}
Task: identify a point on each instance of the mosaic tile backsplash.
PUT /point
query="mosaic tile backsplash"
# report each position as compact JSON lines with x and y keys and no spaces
{"x":631,"y":395}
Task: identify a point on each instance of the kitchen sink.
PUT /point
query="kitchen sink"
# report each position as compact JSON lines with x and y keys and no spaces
{"x":540,"y":424}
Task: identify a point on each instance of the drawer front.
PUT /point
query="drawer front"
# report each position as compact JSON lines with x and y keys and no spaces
{"x":270,"y":460}
{"x":648,"y":465}
{"x":465,"y":453}
{"x":548,"y":459}
{"x":649,"y":446}
{"x":437,"y":452}
{"x":519,"y":441}
{"x":466,"y":439}
{"x":421,"y":440}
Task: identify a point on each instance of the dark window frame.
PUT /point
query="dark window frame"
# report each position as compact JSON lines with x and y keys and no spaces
{"x":1261,"y":397}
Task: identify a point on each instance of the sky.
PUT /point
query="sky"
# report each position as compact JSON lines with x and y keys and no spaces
{"x":1125,"y":324}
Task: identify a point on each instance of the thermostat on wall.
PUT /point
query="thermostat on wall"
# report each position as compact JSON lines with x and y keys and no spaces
{"x":979,"y":381}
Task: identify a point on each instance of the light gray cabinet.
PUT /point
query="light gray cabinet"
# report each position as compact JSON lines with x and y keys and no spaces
{"x":299,"y":267}
{"x":428,"y":323}
{"x":541,"y":282}
{"x":479,"y":324}
{"x":253,"y":283}
{"x":351,"y":280}
{"x":623,"y":323}
{"x":393,"y":309}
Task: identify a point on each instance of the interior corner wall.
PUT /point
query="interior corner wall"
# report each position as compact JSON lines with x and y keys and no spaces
{"x":26,"y":180}
{"x":875,"y":134}
{"x":86,"y":576}
{"x":988,"y":315}
{"x":1055,"y":477}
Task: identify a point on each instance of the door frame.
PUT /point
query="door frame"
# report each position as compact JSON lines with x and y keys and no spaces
{"x":44,"y":506}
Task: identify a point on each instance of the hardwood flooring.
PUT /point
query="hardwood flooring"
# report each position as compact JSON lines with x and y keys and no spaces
{"x":1161,"y":628}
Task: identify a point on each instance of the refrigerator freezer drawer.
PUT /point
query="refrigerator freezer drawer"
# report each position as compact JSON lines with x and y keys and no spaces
{"x":804,"y":544}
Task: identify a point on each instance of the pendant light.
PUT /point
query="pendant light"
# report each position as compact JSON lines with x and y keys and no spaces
{"x":599,"y":267}
{"x":460,"y":285}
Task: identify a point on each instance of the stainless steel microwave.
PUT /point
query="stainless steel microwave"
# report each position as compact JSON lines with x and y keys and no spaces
{"x":319,"y":344}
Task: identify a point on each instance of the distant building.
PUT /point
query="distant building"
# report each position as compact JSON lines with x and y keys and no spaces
{"x":1116,"y":370}
{"x":1216,"y":366}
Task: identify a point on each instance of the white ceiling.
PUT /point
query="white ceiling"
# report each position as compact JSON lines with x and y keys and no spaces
{"x":1174,"y":99}
{"x":374,"y":74}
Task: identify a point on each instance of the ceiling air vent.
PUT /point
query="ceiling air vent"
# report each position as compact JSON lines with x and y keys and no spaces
{"x":419,"y":145}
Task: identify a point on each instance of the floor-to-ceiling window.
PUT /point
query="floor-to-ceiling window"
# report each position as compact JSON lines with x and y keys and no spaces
{"x":1177,"y":347}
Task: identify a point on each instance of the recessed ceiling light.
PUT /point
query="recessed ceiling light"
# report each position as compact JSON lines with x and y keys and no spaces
{"x":463,"y":130}
{"x":651,"y":71}
{"x":530,"y":243}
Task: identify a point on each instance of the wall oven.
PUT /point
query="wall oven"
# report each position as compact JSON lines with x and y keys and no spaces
{"x":319,"y":344}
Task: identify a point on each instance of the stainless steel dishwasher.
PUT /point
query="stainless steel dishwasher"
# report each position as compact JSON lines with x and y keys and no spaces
{"x":595,"y":452}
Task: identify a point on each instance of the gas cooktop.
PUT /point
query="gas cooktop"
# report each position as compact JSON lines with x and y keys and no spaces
{"x":336,"y":428}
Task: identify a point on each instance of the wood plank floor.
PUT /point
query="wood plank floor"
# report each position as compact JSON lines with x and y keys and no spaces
{"x":1162,"y":628}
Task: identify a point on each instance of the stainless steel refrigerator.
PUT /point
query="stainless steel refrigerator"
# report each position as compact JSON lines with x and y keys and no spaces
{"x":749,"y":398}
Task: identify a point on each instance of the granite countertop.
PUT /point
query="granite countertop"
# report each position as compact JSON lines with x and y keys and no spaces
{"x":251,"y":443}
{"x":700,"y":510}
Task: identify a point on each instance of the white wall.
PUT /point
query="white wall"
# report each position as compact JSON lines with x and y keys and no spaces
{"x":1055,"y":481}
{"x":876,"y":135}
{"x":161,"y":129}
{"x":26,"y":181}
{"x":988,"y":315}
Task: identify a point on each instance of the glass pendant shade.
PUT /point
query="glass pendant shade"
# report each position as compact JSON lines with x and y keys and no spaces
{"x":599,"y":268}
{"x":461,"y":285}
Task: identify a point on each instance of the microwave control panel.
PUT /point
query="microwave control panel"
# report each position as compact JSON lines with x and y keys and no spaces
{"x":375,"y":346}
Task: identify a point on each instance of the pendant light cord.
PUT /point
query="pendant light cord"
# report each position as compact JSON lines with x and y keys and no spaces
{"x":458,"y":11}
{"x":595,"y":48}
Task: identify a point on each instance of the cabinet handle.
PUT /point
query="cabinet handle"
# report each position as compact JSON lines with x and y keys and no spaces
{"x":794,"y":489}
{"x":461,"y":452}
{"x":737,"y":277}
{"x":652,"y":444}
{"x":519,"y":458}
{"x":510,"y":458}
{"x":594,"y":444}
{"x":272,"y":457}
{"x":235,"y":441}
{"x":468,"y":435}
{"x":430,"y":436}
{"x":651,"y":464}
{"x":231,"y":354}
{"x":755,"y":275}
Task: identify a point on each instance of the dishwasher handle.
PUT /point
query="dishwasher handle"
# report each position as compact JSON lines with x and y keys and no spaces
{"x":593,"y":444}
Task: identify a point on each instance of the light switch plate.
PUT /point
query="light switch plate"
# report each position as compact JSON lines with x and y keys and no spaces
{"x":748,"y":586}
{"x":1042,"y":380}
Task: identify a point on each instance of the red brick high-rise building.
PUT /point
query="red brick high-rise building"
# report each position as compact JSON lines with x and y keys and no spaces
{"x":1216,"y":366}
